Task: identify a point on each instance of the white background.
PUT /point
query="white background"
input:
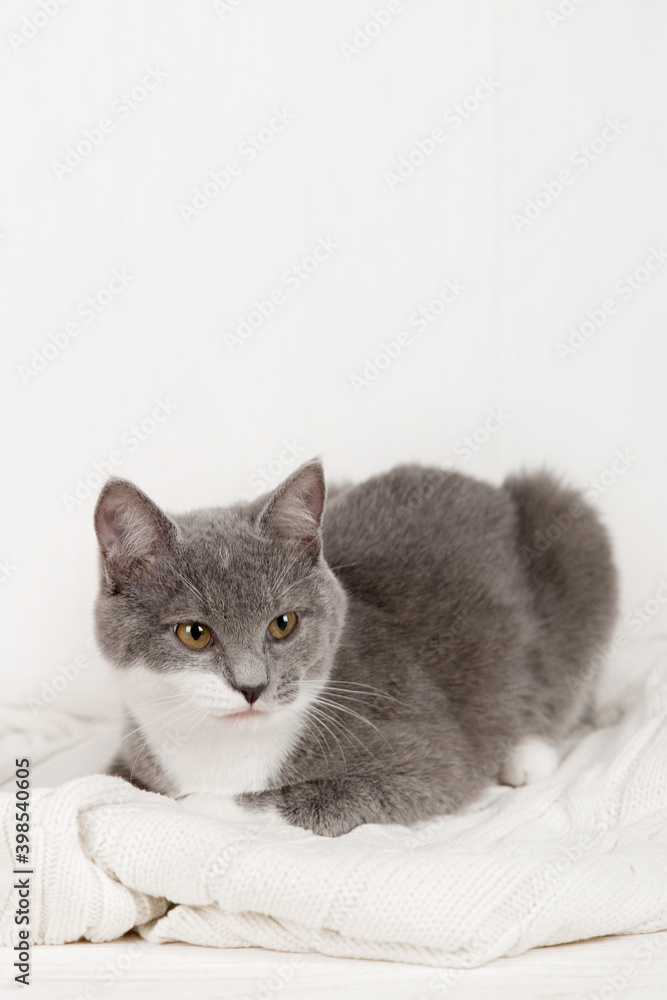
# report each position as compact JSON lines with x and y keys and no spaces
{"x":356,"y":112}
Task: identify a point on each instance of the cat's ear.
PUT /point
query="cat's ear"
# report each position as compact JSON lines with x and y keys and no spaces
{"x":132,"y":531}
{"x":294,"y":511}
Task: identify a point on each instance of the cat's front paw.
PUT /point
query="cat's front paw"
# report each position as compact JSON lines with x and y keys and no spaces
{"x":320,"y":806}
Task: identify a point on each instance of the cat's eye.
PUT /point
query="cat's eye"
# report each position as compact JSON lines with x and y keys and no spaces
{"x":193,"y":634}
{"x":283,"y":625}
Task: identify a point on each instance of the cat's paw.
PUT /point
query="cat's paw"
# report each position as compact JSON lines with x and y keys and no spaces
{"x":532,"y":760}
{"x":319,"y":806}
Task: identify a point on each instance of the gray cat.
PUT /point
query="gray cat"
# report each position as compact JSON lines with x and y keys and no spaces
{"x":382,"y":663}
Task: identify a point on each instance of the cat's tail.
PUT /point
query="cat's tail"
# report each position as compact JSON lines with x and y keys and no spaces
{"x":566,"y":553}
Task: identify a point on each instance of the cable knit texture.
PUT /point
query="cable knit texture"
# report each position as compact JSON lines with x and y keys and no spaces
{"x":581,"y":855}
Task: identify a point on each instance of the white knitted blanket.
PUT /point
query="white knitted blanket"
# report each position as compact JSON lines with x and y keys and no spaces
{"x":581,"y":855}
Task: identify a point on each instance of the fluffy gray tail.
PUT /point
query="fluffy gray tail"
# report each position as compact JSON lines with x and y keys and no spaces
{"x":567,"y":556}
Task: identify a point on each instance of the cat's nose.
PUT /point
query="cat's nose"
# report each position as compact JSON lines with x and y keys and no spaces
{"x":251,"y":694}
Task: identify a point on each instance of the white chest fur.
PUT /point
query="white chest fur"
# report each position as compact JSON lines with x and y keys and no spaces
{"x":182,"y":717}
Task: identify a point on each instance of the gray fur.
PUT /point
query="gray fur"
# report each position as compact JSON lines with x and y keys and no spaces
{"x":451,"y":618}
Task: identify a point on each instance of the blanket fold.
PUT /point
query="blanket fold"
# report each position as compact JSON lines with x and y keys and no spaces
{"x":581,"y":855}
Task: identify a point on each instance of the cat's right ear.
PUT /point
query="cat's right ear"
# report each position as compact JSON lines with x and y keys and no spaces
{"x":132,"y":532}
{"x":294,"y":510}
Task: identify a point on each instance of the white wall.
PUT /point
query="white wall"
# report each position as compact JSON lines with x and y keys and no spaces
{"x":551,"y":88}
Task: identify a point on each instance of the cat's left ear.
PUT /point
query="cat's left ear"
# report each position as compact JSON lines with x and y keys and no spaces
{"x":133,"y":533}
{"x":294,"y":511}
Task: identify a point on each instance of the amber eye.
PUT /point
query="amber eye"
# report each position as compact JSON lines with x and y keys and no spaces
{"x":283,"y":625}
{"x":193,"y":635}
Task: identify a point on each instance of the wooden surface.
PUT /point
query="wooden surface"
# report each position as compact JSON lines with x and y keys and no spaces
{"x":602,"y":969}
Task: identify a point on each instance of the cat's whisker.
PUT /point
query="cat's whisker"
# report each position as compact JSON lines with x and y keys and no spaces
{"x":193,"y":718}
{"x":295,"y":583}
{"x":124,"y":737}
{"x":360,"y":684}
{"x":345,"y":729}
{"x":365,"y":697}
{"x":188,"y":583}
{"x":284,"y":573}
{"x":318,"y":718}
{"x":350,"y":693}
{"x":346,"y":732}
{"x":121,"y":714}
{"x":313,"y":732}
{"x":139,"y":728}
{"x":332,"y":706}
{"x":160,"y":699}
{"x":366,"y":689}
{"x":143,"y":746}
{"x":349,"y":711}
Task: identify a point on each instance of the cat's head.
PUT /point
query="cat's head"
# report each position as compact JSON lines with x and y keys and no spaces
{"x":233,"y":609}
